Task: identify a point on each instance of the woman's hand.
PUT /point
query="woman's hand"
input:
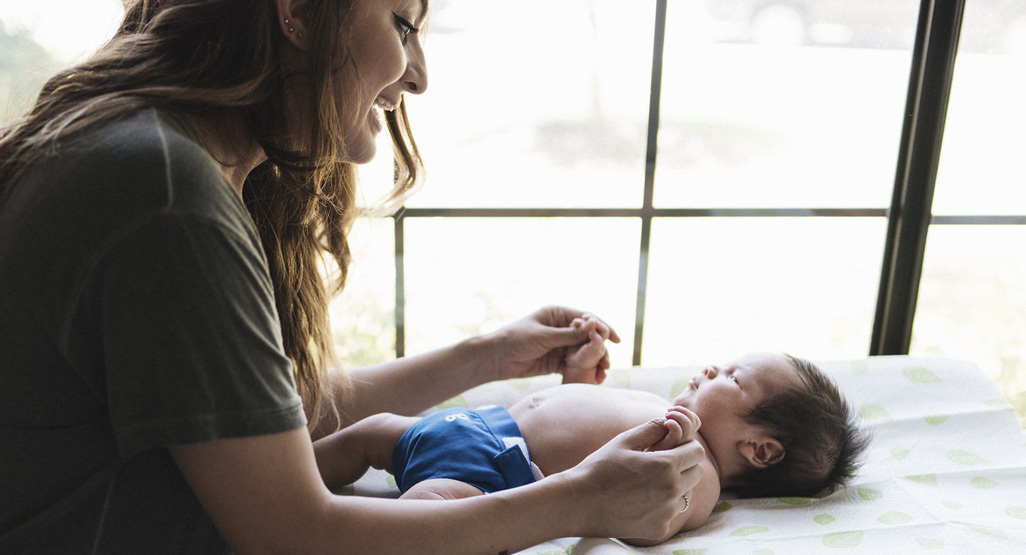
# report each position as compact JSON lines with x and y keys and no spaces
{"x":630,"y":488}
{"x":538,"y":344}
{"x":548,"y":341}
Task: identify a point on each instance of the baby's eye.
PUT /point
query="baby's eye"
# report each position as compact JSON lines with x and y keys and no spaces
{"x":732,"y":377}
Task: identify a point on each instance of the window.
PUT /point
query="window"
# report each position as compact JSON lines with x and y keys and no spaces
{"x":753,"y":217}
{"x":711,"y":176}
{"x":971,"y":300}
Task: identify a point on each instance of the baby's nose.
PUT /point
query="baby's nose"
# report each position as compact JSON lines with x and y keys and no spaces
{"x":709,"y":372}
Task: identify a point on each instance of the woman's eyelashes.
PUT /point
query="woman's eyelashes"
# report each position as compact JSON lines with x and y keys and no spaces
{"x":405,"y":27}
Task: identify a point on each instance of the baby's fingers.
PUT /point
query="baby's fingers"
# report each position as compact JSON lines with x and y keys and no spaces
{"x":687,"y":419}
{"x":674,"y":435}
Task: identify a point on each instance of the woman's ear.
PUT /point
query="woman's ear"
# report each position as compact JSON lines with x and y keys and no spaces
{"x":292,"y":21}
{"x":761,"y":452}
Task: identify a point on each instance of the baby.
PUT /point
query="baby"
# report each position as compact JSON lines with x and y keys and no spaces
{"x":771,"y":425}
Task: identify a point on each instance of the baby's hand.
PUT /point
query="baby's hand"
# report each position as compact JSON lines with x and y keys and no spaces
{"x":588,"y":362}
{"x":681,"y":425}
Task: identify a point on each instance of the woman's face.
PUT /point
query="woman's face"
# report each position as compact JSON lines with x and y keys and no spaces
{"x":389,"y":60}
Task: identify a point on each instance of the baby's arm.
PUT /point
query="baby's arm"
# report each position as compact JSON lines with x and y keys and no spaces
{"x":682,"y":426}
{"x":588,"y":363}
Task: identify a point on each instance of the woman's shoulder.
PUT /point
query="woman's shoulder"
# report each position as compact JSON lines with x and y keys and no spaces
{"x":145,"y":142}
{"x":139,"y":136}
{"x":150,"y":161}
{"x":122,"y":173}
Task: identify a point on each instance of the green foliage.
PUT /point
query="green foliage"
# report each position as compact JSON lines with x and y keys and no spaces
{"x":24,"y":66}
{"x":364,"y":330}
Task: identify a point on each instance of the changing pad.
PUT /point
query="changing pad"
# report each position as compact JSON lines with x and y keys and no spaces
{"x":945,"y":473}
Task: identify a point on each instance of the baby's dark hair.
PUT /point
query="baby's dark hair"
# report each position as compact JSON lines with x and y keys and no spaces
{"x":822,"y":440}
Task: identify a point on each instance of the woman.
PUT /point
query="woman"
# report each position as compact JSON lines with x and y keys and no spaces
{"x":164,"y":210}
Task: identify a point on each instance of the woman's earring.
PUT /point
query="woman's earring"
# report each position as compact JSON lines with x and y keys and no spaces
{"x":291,"y":28}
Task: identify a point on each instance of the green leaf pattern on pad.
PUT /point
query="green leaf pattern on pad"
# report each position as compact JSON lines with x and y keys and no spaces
{"x":843,"y":539}
{"x":980,"y":482}
{"x":874,"y":413}
{"x":959,"y":456}
{"x":900,"y":453}
{"x":925,"y":479}
{"x":567,"y":551}
{"x":992,"y":532}
{"x":1016,"y":512}
{"x":894,"y":517}
{"x":722,"y":507}
{"x":519,"y":384}
{"x":457,"y":401}
{"x":749,"y":530}
{"x":937,"y":420}
{"x":869,"y":494}
{"x":918,"y":374}
{"x":679,"y":388}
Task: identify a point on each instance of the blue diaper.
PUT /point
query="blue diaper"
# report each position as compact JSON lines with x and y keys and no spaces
{"x":483,"y":448}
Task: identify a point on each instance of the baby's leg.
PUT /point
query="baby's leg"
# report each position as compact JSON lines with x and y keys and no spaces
{"x":344,"y":456}
{"x":441,"y":488}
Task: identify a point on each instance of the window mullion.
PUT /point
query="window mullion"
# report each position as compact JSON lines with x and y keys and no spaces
{"x":933,"y":64}
{"x":650,"y":164}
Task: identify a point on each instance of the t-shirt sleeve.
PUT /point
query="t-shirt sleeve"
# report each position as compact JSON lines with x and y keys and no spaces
{"x":191,"y":338}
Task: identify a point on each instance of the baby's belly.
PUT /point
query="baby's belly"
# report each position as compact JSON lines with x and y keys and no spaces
{"x":564,"y":424}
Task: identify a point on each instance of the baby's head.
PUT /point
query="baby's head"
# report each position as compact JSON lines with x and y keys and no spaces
{"x":776,"y":425}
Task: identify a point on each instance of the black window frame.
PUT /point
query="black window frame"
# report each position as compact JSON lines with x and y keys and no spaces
{"x":909,"y":215}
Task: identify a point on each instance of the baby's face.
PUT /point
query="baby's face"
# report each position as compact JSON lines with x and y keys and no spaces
{"x":723,"y":395}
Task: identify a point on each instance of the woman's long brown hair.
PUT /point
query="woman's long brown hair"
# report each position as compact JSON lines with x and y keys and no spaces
{"x":213,"y":58}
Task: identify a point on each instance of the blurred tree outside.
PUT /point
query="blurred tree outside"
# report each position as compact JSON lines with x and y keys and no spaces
{"x":24,"y":67}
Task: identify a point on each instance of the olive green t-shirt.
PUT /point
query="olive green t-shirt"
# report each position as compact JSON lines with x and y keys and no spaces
{"x":136,"y":312}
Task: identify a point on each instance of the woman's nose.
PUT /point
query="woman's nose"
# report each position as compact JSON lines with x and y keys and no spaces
{"x":415,"y":80}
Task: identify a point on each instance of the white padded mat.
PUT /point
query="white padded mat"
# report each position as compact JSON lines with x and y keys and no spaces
{"x":946,"y":472}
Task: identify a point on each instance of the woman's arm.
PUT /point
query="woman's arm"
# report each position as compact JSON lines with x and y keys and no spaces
{"x":535,"y":345}
{"x":265,"y":495}
{"x":412,"y":384}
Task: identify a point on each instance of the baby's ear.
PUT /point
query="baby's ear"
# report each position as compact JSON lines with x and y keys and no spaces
{"x":761,"y":452}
